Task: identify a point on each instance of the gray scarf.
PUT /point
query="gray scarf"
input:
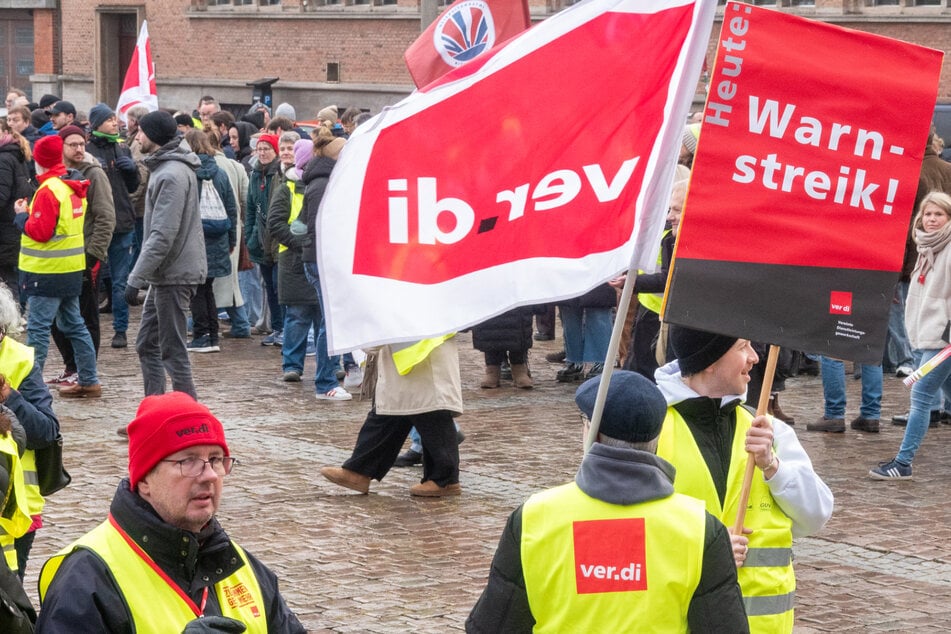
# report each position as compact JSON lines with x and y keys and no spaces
{"x":929,"y":246}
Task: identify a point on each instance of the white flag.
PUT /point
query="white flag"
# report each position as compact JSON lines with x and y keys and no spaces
{"x":138,"y":89}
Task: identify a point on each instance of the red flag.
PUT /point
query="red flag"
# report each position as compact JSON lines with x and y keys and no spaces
{"x":803,"y":184}
{"x":464,"y":31}
{"x":138,"y":89}
{"x":493,"y":189}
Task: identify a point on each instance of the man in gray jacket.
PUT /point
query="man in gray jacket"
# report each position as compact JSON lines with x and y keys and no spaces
{"x":172,"y":262}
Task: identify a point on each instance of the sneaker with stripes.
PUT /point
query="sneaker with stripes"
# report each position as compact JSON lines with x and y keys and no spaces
{"x":892,"y":470}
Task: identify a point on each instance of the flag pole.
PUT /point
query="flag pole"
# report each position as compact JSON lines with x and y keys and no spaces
{"x":750,"y":463}
{"x":623,"y":304}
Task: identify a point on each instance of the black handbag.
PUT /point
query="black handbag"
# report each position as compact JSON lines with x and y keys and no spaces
{"x":50,"y":472}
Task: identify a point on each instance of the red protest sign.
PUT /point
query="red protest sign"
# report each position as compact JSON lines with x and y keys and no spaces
{"x":803,"y":183}
{"x":494,"y":188}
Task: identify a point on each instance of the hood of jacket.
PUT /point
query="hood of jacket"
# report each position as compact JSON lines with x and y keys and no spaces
{"x":208,"y":167}
{"x":319,"y":166}
{"x":176,"y":150}
{"x":624,"y":476}
{"x":672,"y":386}
{"x":71,"y":177}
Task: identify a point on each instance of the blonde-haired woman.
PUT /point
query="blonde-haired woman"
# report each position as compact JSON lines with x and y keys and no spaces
{"x":928,"y":319}
{"x":15,"y":183}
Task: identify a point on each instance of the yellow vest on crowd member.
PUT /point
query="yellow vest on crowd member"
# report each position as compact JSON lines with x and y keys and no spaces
{"x":591,"y":566}
{"x":157,"y":605}
{"x":15,"y":520}
{"x":64,"y":252}
{"x":653,"y":301}
{"x":766,"y":578}
{"x":16,"y":363}
{"x":406,"y":356}
{"x":297,"y":203}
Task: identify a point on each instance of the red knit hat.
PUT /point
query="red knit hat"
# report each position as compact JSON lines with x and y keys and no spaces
{"x":167,"y":423}
{"x":48,"y":151}
{"x":270,"y":139}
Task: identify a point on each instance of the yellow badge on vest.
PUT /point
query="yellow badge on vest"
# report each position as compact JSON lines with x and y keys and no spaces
{"x":610,"y":556}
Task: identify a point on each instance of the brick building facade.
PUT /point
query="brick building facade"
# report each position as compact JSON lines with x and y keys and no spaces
{"x":348,"y":52}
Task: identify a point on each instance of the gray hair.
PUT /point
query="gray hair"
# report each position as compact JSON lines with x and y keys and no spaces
{"x":11,"y":321}
{"x":649,"y":446}
{"x":289,"y":137}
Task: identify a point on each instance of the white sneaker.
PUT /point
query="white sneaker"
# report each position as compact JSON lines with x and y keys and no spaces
{"x":903,"y":371}
{"x":336,"y":394}
{"x":354,"y":378}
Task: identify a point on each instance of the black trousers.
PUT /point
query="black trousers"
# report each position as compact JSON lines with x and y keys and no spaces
{"x":382,"y":436}
{"x":204,"y":311}
{"x":89,"y":309}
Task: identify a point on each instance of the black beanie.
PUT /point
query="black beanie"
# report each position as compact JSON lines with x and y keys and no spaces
{"x":159,"y":127}
{"x":634,"y":409}
{"x":697,"y":350}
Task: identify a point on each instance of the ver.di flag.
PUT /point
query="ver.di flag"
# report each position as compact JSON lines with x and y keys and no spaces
{"x":803,"y":184}
{"x":531,"y":175}
{"x":138,"y":89}
{"x":464,"y":31}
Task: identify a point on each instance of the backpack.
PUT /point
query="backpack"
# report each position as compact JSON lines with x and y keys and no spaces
{"x":210,"y":204}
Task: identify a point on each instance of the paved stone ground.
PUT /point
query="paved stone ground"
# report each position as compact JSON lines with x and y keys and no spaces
{"x":387,"y":562}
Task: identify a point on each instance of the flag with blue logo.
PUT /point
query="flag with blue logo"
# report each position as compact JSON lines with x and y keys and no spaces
{"x":465,"y":30}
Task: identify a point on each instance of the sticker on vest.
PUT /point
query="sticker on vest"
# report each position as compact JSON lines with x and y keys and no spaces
{"x":238,"y":596}
{"x":610,"y":556}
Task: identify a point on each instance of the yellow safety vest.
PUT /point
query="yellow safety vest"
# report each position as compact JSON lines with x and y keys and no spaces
{"x":297,"y":203}
{"x":591,"y":566}
{"x":406,"y":356}
{"x":64,"y":252}
{"x":766,"y":578}
{"x":653,"y":301}
{"x":155,"y":603}
{"x":15,"y":520}
{"x":16,"y":363}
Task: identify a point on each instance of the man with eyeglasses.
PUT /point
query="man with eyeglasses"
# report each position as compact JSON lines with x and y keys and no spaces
{"x":161,"y":561}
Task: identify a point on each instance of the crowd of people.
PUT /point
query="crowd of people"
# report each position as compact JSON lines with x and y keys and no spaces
{"x":210,"y":223}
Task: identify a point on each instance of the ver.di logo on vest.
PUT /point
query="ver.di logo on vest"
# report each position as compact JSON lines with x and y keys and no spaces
{"x":610,"y":556}
{"x":464,"y":33}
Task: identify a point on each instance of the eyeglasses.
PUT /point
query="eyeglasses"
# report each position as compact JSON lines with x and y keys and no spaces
{"x":193,"y":467}
{"x":264,"y":149}
{"x":76,"y":146}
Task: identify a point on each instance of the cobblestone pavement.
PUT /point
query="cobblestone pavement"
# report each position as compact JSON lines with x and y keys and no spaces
{"x":387,"y":562}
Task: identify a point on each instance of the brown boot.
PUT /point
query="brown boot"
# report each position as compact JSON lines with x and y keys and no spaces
{"x":491,"y":378}
{"x":522,"y":376}
{"x":777,"y":412}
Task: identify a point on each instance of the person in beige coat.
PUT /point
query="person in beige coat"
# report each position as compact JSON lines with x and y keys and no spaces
{"x":427,"y":397}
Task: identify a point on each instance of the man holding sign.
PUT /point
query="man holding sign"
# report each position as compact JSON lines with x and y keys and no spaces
{"x":707,"y":435}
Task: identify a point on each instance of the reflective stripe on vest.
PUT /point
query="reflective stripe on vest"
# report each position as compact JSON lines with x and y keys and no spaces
{"x":16,"y":363}
{"x":297,"y":203}
{"x":590,"y":566}
{"x":64,"y":252}
{"x":406,"y":356}
{"x":154,"y":605}
{"x":653,"y":301}
{"x":766,"y":579}
{"x":16,"y":519}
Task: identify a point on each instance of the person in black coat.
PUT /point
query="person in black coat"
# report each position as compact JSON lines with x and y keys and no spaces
{"x":14,"y":184}
{"x":505,"y":337}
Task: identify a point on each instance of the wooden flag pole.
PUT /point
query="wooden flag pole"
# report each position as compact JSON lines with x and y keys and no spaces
{"x":623,"y":305}
{"x":750,"y":463}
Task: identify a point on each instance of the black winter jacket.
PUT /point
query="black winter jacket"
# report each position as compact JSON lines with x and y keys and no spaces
{"x":83,"y":591}
{"x":315,"y":178}
{"x":14,"y":184}
{"x":511,"y":330}
{"x":124,"y":182}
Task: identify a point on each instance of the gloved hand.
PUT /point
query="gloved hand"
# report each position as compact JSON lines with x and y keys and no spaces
{"x":207,"y":624}
{"x":125,"y":163}
{"x":131,"y":295}
{"x":91,"y":261}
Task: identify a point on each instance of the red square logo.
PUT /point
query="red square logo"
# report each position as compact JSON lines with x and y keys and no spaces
{"x":610,"y":556}
{"x":840,"y":303}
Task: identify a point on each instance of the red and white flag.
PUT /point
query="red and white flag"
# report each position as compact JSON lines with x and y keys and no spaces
{"x":138,"y":89}
{"x":531,"y":175}
{"x":464,"y":31}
